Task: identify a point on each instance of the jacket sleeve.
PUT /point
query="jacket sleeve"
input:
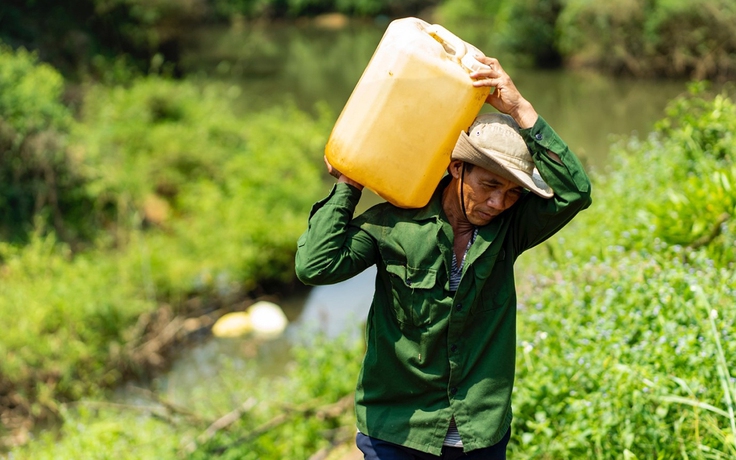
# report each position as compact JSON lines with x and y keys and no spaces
{"x":331,"y":250}
{"x":537,"y":218}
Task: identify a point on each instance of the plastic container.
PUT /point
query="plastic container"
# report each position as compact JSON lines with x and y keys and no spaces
{"x":397,"y":130}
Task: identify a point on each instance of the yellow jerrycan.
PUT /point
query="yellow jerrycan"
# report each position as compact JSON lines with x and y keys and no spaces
{"x":397,"y":130}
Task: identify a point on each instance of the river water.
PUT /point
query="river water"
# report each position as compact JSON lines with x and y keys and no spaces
{"x":304,"y":64}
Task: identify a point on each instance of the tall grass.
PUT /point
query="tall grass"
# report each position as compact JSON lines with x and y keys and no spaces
{"x":621,"y":354}
{"x":316,"y":377}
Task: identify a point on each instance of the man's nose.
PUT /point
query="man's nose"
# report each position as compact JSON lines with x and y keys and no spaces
{"x":497,"y":201}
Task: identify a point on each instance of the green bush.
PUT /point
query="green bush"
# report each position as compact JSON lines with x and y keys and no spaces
{"x":684,"y":194}
{"x":187,"y":200}
{"x":64,"y":317}
{"x":625,"y":337}
{"x":317,"y":375}
{"x":615,"y":355}
{"x":228,"y":193}
{"x":39,"y":177}
{"x":666,"y":37}
{"x":530,"y":31}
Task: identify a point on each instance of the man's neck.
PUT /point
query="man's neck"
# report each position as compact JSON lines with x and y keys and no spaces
{"x":453,"y":210}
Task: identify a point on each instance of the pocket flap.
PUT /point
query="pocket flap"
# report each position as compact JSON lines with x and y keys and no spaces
{"x":483,"y":266}
{"x":415,"y":278}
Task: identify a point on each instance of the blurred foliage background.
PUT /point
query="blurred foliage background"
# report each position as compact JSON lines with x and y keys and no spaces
{"x":138,"y":190}
{"x":691,"y":38}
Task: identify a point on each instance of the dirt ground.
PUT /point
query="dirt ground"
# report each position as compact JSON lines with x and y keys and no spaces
{"x":351,"y":453}
{"x":346,"y":451}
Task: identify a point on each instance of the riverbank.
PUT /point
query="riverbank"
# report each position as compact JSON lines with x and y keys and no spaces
{"x":151,"y":218}
{"x":650,"y":304}
{"x":137,"y":211}
{"x":655,"y":39}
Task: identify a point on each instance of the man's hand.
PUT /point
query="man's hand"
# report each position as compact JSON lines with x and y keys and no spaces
{"x":506,"y":98}
{"x":331,"y":169}
{"x":340,"y":176}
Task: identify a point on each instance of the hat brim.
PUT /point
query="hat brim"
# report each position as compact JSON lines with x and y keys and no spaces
{"x":466,"y":151}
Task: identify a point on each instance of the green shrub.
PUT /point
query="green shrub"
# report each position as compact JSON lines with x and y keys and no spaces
{"x":699,"y":211}
{"x":64,"y":316}
{"x":229,"y":194}
{"x":624,"y":338}
{"x":606,"y":351}
{"x":189,"y":200}
{"x":39,"y":177}
{"x":530,"y":31}
{"x":665,"y":37}
{"x":317,"y":375}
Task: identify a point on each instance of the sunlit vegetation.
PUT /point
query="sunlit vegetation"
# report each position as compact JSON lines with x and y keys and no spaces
{"x":171,"y":201}
{"x":625,"y":339}
{"x":134,"y":199}
{"x":290,"y":416}
{"x":675,"y":38}
{"x":687,"y":38}
{"x":625,"y":317}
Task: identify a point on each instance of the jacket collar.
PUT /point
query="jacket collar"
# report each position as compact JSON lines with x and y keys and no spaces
{"x":433,"y":209}
{"x":487,"y":234}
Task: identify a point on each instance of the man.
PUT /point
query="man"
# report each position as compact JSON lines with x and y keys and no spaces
{"x":438,"y":372}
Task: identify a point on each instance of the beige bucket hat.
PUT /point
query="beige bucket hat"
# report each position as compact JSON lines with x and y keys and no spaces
{"x":493,"y":142}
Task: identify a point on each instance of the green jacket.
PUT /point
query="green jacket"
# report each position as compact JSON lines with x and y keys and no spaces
{"x":432,"y":355}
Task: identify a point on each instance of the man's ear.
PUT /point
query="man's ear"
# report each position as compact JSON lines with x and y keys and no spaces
{"x":455,"y":168}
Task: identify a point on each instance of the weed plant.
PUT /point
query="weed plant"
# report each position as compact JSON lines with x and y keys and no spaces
{"x":626,"y":346}
{"x":315,"y":377}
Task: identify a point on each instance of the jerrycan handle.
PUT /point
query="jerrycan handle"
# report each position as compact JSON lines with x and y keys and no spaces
{"x":452,"y":44}
{"x":461,"y":51}
{"x":470,"y":60}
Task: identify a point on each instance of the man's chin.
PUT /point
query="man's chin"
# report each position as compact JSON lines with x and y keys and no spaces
{"x":480,"y":219}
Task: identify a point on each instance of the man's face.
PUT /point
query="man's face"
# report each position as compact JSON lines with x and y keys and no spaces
{"x":487,"y":195}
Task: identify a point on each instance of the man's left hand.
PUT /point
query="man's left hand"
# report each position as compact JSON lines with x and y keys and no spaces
{"x":505,"y":98}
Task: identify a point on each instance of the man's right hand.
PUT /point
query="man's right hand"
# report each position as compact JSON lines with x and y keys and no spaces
{"x":340,"y":176}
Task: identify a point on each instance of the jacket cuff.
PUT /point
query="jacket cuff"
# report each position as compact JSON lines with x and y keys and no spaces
{"x":541,"y":137}
{"x":341,"y":194}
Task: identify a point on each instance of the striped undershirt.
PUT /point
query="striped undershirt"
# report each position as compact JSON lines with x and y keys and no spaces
{"x":452,"y":438}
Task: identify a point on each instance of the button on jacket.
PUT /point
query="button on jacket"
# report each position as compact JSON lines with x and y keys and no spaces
{"x":433,"y":354}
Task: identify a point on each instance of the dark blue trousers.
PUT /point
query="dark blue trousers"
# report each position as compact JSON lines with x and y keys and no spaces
{"x":375,"y":449}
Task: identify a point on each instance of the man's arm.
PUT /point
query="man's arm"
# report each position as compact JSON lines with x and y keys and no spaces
{"x":505,"y":97}
{"x":331,"y":250}
{"x":538,"y":218}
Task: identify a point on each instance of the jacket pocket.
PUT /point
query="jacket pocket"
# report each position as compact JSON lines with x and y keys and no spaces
{"x":494,"y":281}
{"x":413,"y":292}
